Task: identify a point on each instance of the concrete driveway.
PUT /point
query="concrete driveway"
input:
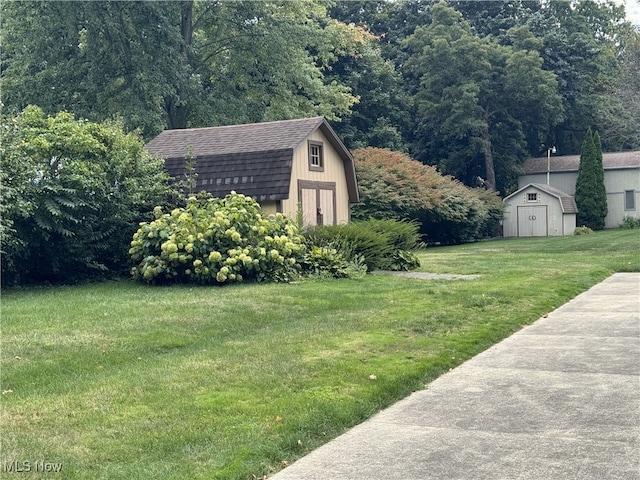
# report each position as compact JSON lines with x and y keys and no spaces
{"x":558,"y":400}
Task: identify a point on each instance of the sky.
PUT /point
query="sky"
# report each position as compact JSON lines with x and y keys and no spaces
{"x":632,"y":7}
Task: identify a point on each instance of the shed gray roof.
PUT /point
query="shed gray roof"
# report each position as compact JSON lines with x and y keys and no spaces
{"x":570,"y":163}
{"x":567,"y":202}
{"x":254,"y":159}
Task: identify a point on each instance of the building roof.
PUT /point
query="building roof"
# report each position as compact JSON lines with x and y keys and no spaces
{"x":567,"y":202}
{"x":254,"y":159}
{"x":570,"y":163}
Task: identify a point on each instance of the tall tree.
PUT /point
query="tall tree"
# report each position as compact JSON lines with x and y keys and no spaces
{"x":97,"y":59}
{"x":269,"y":60}
{"x":591,"y":194}
{"x":176,"y":64}
{"x":494,"y":19}
{"x":581,"y":46}
{"x":585,"y":43}
{"x":372,"y":14}
{"x":477,"y":100}
{"x":379,"y":119}
{"x":618,"y":108}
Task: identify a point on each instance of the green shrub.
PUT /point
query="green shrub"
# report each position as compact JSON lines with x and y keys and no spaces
{"x":630,"y":223}
{"x":403,"y":260}
{"x":328,"y":262}
{"x":583,"y":230}
{"x":352,"y":241}
{"x":400,"y":234}
{"x":217,"y":241}
{"x":394,"y":186}
{"x":380,"y":244}
{"x":73,"y":193}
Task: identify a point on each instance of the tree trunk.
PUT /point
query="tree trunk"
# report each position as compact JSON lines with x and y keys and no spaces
{"x":175,"y":107}
{"x":488,"y":158}
{"x":186,"y":24}
{"x":176,"y":112}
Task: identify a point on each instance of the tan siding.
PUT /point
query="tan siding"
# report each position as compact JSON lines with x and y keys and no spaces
{"x":327,"y":207}
{"x":268,"y":208}
{"x":333,"y":172}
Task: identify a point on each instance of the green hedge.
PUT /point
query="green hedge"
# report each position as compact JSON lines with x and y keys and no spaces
{"x":379,"y":244}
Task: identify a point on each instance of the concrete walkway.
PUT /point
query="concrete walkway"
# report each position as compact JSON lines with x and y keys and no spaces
{"x":558,"y":400}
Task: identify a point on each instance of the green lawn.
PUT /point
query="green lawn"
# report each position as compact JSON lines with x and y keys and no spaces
{"x":125,"y":381}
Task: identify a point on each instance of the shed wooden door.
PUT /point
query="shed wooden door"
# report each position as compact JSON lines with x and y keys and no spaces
{"x":318,"y":201}
{"x":532,"y":221}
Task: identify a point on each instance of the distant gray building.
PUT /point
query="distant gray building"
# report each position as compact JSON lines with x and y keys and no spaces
{"x":621,"y":178}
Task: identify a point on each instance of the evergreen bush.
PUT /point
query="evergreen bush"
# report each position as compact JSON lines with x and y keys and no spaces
{"x":379,"y":244}
{"x":591,"y":194}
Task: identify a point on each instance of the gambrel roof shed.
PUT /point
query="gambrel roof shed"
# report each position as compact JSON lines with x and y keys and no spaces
{"x":567,"y":202}
{"x":539,"y":210}
{"x":254,"y":159}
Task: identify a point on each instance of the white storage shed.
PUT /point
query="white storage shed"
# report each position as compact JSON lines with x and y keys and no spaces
{"x":538,"y":210}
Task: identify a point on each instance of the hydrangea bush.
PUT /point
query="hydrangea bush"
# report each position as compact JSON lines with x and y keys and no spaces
{"x":217,"y":241}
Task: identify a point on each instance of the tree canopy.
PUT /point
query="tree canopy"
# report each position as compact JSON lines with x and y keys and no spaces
{"x":177,"y":64}
{"x":478,"y":102}
{"x":587,"y":46}
{"x":470,"y":87}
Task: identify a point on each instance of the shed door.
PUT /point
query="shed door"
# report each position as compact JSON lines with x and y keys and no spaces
{"x":327,"y":203}
{"x":318,"y":201}
{"x":532,"y":221}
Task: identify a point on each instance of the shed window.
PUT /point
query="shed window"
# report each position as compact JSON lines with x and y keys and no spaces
{"x":531,"y":197}
{"x":629,"y":200}
{"x":316,"y":160}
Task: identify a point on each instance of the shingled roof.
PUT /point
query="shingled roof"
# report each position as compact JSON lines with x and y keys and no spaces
{"x":254,"y":159}
{"x":570,"y":163}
